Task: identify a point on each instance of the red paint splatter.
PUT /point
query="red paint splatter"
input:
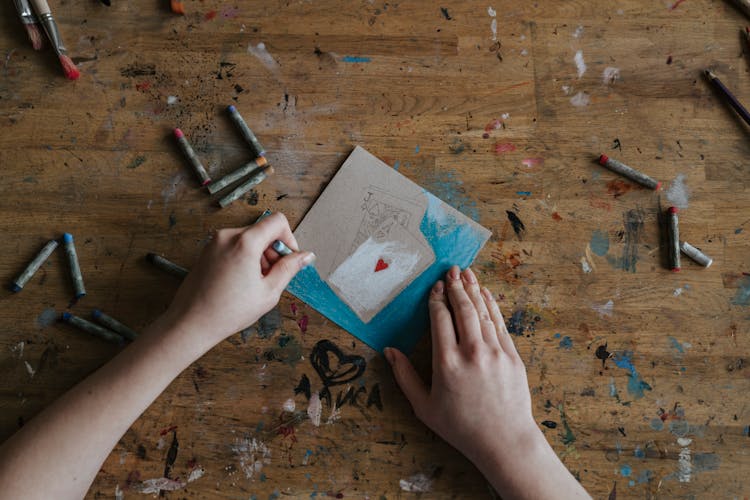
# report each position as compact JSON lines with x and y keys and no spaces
{"x":599,"y":203}
{"x":294,"y":308}
{"x":556,"y":216}
{"x":302,"y":323}
{"x":210,"y":15}
{"x":676,"y":4}
{"x":143,"y":86}
{"x":618,"y":187}
{"x":533,"y":162}
{"x":287,"y":431}
{"x":166,"y":431}
{"x":381,"y":265}
{"x":504,"y":147}
{"x":493,"y":125}
{"x":192,"y":463}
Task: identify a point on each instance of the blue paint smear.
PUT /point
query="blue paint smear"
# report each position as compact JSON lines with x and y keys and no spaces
{"x":625,"y":470}
{"x":645,"y":477}
{"x":599,"y":243}
{"x":448,"y":188}
{"x":676,"y":345}
{"x":738,"y":230}
{"x":416,"y":150}
{"x":402,"y":322}
{"x":355,"y":59}
{"x":566,"y":343}
{"x":523,"y":193}
{"x":396,"y":165}
{"x":636,"y":385}
{"x":746,"y":431}
{"x":657,"y":424}
{"x":638,"y":452}
{"x":742,"y":298}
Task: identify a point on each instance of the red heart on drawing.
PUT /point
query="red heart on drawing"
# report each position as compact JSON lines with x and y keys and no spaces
{"x":380,"y":265}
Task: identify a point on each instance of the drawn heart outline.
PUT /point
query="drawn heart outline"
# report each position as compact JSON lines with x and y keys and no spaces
{"x":350,"y":366}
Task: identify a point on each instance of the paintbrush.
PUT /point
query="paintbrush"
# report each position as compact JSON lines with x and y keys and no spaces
{"x":30,"y":22}
{"x":738,"y":107}
{"x":177,"y":6}
{"x":744,"y":6}
{"x":50,"y":27}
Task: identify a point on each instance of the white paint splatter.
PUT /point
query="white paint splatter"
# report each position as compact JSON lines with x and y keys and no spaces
{"x":493,"y":25}
{"x":18,"y":349}
{"x":161,"y":443}
{"x":314,"y":409}
{"x":289,"y":405}
{"x":418,"y":483}
{"x":172,"y":99}
{"x":366,"y":291}
{"x":252,"y":454}
{"x":261,"y":53}
{"x":524,"y":52}
{"x":158,"y":484}
{"x":173,"y":185}
{"x":604,"y":309}
{"x":29,"y":369}
{"x":681,"y":290}
{"x":196,"y":474}
{"x":578,"y":33}
{"x":335,"y":414}
{"x":504,"y":116}
{"x":610,"y":75}
{"x":580,"y":63}
{"x":585,"y":265}
{"x":119,"y":495}
{"x":678,"y":193}
{"x":567,"y":89}
{"x":684,"y":467}
{"x":580,"y":99}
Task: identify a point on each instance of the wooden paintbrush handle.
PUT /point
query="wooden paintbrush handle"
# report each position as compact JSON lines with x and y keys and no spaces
{"x":40,"y":6}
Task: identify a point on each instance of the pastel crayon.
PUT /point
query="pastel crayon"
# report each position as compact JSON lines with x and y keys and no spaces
{"x":192,"y":157}
{"x":34,"y":266}
{"x":89,"y":327}
{"x":246,"y":132}
{"x":114,"y":325}
{"x":246,"y":186}
{"x":695,"y":254}
{"x":238,"y":174}
{"x":673,"y":239}
{"x":75,"y":268}
{"x":631,"y":173}
{"x":167,"y":265}
{"x":281,"y":248}
{"x":262,"y":216}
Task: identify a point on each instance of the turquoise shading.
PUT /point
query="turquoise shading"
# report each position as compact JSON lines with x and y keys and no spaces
{"x":401,"y":323}
{"x":355,"y":59}
{"x":636,"y":385}
{"x":599,"y":242}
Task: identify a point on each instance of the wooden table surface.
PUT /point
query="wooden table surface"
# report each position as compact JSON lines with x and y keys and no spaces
{"x":640,"y":375}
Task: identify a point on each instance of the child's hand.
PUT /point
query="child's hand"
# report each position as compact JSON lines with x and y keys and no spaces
{"x":479,"y":401}
{"x":237,"y":279}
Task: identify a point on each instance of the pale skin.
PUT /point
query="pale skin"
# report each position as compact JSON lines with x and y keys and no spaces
{"x":237,"y":279}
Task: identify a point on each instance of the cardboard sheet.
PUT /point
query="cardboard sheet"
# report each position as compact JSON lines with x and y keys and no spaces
{"x":381,"y":242}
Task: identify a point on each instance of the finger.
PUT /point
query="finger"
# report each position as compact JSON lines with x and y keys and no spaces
{"x":271,"y":255}
{"x":282,"y":272}
{"x":497,"y":317}
{"x":274,"y":227}
{"x":441,"y":323}
{"x":408,"y":380}
{"x":464,"y":312}
{"x":489,"y":335}
{"x":265,"y":266}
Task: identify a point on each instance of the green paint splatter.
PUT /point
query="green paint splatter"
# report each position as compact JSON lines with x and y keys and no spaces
{"x":568,"y":437}
{"x":137,"y":162}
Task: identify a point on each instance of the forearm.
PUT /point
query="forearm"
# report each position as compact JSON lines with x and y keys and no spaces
{"x":70,"y":439}
{"x":512,"y":469}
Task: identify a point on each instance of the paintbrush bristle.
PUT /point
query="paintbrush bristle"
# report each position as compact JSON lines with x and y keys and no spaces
{"x":177,"y":7}
{"x":35,"y":35}
{"x":69,"y":67}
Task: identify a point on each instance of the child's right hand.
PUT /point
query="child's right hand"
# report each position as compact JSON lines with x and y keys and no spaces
{"x":479,"y":400}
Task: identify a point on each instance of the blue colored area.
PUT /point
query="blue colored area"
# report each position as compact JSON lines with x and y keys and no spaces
{"x":566,"y":343}
{"x":657,"y":424}
{"x":402,"y":322}
{"x":625,"y":470}
{"x":396,"y":165}
{"x":355,"y":59}
{"x":450,"y":189}
{"x":645,"y":476}
{"x":599,"y":243}
{"x":636,"y":385}
{"x":638,"y":452}
{"x":523,"y":193}
{"x":416,"y":150}
{"x":676,"y":344}
{"x":746,"y":431}
{"x":742,"y":298}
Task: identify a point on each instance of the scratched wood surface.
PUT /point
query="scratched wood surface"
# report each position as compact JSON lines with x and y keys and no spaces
{"x":639,"y":376}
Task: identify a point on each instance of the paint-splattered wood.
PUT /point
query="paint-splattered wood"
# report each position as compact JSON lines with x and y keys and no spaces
{"x":639,"y":376}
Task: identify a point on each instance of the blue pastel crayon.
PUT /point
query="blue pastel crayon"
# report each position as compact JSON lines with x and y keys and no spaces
{"x":75,"y":268}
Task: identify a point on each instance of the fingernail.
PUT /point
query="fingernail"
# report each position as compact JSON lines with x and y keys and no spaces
{"x":438,"y":288}
{"x":454,"y":273}
{"x":389,"y":355}
{"x":469,"y":274}
{"x":308,"y":259}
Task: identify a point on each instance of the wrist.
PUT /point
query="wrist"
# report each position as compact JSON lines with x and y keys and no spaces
{"x":526,"y":439}
{"x":176,"y":340}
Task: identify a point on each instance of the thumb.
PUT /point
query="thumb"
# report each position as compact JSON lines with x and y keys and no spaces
{"x":408,"y":379}
{"x":287,"y":267}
